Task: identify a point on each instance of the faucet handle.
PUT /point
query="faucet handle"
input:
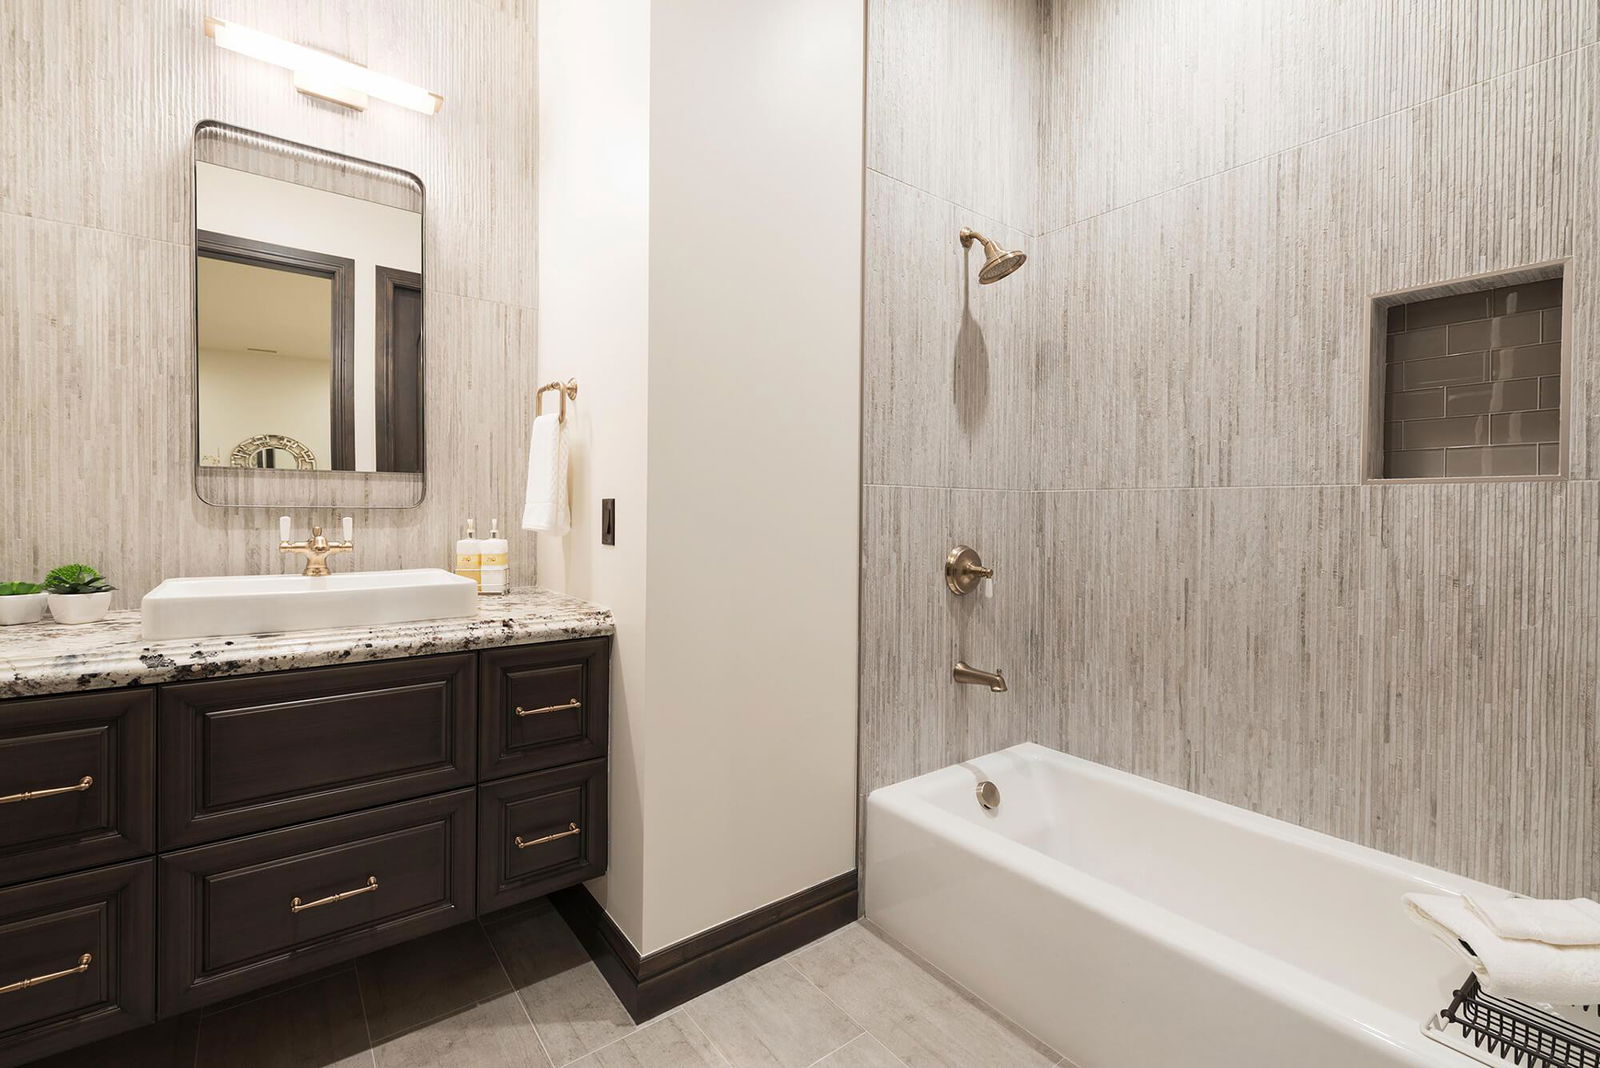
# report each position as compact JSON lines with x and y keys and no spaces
{"x":963,"y":569}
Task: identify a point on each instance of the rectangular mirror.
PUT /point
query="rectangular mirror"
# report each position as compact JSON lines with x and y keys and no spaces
{"x":308,"y":325}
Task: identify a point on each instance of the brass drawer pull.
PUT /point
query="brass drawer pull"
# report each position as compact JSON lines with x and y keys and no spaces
{"x":23,"y":984}
{"x":572,"y":829}
{"x":296,"y":906}
{"x":33,"y":795}
{"x":574,"y":703}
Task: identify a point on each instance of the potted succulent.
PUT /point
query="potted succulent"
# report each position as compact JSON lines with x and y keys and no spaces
{"x":21,"y":602}
{"x":78,"y":594}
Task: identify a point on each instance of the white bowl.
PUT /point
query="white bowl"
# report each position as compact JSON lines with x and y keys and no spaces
{"x":21,"y":608}
{"x":79,"y":607}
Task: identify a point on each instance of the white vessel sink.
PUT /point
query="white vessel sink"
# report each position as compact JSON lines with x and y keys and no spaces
{"x":264,"y":604}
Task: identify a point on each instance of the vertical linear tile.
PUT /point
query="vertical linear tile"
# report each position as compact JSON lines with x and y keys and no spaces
{"x":95,"y":270}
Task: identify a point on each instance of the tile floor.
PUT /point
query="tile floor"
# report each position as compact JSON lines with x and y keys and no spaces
{"x":517,"y":991}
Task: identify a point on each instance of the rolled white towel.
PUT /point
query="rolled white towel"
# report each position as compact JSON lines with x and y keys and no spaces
{"x":547,"y":509}
{"x":1527,"y":919}
{"x":1509,"y":968}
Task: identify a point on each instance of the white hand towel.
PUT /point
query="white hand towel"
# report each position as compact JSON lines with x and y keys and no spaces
{"x":1507,"y":968}
{"x":547,"y":509}
{"x":1556,"y":923}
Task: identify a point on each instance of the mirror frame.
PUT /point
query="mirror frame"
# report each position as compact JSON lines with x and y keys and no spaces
{"x":236,"y":487}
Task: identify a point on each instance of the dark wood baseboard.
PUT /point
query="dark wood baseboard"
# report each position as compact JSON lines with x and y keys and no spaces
{"x":649,"y":985}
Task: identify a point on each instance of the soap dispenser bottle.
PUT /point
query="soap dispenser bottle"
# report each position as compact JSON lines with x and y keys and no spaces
{"x":469,"y":557}
{"x":496,"y":562}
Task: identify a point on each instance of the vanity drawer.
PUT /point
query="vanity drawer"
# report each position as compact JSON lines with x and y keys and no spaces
{"x":76,"y":781}
{"x":87,"y":944}
{"x":238,"y":914}
{"x":257,"y":752}
{"x":540,"y":832}
{"x":544,"y":705}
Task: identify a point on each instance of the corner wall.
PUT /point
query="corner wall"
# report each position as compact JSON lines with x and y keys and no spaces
{"x":702,"y":198}
{"x":1162,"y":454}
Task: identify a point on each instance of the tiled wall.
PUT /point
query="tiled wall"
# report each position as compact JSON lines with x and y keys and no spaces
{"x":1473,"y":384}
{"x":96,"y":272}
{"x":1154,"y":430}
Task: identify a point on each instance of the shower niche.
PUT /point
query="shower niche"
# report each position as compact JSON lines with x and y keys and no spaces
{"x":1468,"y":379}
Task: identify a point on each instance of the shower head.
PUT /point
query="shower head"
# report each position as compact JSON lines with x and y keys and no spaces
{"x":997,"y":262}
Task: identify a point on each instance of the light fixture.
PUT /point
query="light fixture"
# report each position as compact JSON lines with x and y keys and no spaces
{"x":321,"y":74}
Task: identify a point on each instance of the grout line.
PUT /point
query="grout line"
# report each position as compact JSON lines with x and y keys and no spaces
{"x":836,"y":1049}
{"x":865,"y":1030}
{"x":669,"y":1014}
{"x":1370,"y":484}
{"x":516,"y":992}
{"x":709,"y":1040}
{"x":985,"y":216}
{"x":1386,"y":116}
{"x":366,"y":1023}
{"x":915,"y":958}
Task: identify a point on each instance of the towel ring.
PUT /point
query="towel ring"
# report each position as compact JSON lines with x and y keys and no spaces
{"x":568,"y":391}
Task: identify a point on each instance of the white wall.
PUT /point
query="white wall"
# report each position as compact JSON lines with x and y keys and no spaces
{"x":594,"y":214}
{"x":755,"y":346}
{"x":248,"y":393}
{"x":705,"y":161}
{"x":266,"y":209}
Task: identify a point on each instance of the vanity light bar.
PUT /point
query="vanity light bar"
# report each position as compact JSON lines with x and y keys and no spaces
{"x":321,"y":74}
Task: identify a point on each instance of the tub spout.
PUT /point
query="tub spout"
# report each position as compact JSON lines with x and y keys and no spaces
{"x":971,"y":676}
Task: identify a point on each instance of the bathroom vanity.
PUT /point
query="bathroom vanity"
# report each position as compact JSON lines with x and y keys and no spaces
{"x":183,"y":822}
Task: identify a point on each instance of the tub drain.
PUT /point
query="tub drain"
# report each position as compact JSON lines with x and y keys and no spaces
{"x":988,"y":795}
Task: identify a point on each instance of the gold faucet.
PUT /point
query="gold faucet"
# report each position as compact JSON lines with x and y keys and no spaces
{"x":971,"y":676}
{"x":316,"y":549}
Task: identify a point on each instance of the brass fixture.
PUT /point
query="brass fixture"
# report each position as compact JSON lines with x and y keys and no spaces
{"x":372,"y":884}
{"x":568,"y":391}
{"x":988,"y":795}
{"x":997,"y":262}
{"x":23,"y":984}
{"x":963,"y":570}
{"x":34,"y":795}
{"x":572,"y":829}
{"x":316,"y":549}
{"x":968,"y":675}
{"x":574,"y":703}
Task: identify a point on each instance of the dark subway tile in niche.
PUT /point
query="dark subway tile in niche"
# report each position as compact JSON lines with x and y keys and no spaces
{"x":1524,"y":329}
{"x":1531,"y":296}
{"x":1517,"y":396}
{"x":1445,"y":371}
{"x":1471,"y":382}
{"x":1498,"y":460}
{"x":1441,"y":311}
{"x":1528,"y":361}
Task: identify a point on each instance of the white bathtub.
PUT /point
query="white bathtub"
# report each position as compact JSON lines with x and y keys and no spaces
{"x":1129,"y":923}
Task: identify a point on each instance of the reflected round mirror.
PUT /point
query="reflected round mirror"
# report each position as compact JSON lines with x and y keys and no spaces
{"x":273,"y":452}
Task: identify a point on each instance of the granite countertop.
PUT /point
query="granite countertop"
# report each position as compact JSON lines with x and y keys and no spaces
{"x":47,"y":658}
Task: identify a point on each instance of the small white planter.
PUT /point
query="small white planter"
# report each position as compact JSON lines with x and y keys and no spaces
{"x":79,"y":607}
{"x":21,"y":608}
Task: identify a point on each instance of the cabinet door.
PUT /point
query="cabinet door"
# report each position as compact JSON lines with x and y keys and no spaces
{"x":76,"y":959}
{"x":544,"y":706}
{"x":257,"y":752}
{"x":540,"y":832}
{"x":238,"y":914}
{"x":76,"y":781}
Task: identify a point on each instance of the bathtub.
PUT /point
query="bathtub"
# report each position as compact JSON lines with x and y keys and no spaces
{"x":1128,"y":923}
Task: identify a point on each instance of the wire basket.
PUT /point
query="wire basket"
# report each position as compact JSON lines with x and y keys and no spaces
{"x":1518,"y":1034}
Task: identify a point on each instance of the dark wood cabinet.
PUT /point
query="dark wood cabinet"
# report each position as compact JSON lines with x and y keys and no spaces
{"x":245,"y":754}
{"x":163,"y":849}
{"x":544,"y":706}
{"x":237,"y":914}
{"x":540,"y":832}
{"x":76,"y":957}
{"x":76,"y":782}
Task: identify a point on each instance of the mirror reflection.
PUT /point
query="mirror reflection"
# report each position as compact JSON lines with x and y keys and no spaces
{"x":308,"y":296}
